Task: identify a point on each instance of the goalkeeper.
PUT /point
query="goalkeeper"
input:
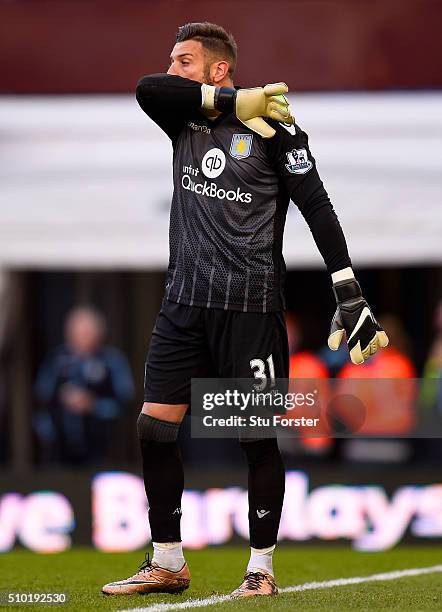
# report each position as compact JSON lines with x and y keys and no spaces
{"x":235,"y":170}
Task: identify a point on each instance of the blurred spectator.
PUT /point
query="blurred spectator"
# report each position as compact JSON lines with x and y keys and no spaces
{"x":379,"y":399}
{"x":306,"y":365}
{"x":303,"y":364}
{"x":83,"y":388}
{"x":431,"y":391}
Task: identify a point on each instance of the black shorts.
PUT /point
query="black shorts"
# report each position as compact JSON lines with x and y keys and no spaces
{"x":192,"y":342}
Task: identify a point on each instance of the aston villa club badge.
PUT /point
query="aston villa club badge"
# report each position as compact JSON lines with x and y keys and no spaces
{"x":241,"y":145}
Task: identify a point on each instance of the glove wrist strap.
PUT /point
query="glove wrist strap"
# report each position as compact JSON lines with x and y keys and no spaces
{"x":225,"y":98}
{"x":222,"y":99}
{"x":346,"y":290}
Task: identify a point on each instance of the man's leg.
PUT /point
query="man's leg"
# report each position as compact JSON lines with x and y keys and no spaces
{"x":255,"y":345}
{"x":266,"y":486}
{"x":163,"y":474}
{"x":157,"y":427}
{"x":177,"y":353}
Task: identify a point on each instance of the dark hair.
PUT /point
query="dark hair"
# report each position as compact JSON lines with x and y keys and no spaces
{"x":214,"y":39}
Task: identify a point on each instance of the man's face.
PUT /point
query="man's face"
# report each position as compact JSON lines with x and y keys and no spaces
{"x":189,"y":61}
{"x":83,"y":332}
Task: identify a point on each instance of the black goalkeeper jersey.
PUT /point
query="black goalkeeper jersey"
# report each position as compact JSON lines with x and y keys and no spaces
{"x":231,"y":193}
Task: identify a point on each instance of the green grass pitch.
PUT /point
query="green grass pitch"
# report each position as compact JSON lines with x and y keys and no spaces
{"x":81,"y":572}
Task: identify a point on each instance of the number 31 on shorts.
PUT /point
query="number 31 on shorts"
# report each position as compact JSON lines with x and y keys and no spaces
{"x":259,"y":371}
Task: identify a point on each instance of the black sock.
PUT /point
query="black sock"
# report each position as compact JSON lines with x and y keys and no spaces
{"x":163,"y":479}
{"x":266,"y":490}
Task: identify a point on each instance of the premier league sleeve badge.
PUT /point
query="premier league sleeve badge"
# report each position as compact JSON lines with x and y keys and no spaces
{"x":298,"y":162}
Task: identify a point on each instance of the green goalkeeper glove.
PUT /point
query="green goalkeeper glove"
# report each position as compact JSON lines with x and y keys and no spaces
{"x":251,"y":105}
{"x":269,"y":101}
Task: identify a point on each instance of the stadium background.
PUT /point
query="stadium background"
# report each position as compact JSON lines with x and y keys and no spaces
{"x":85,"y":188}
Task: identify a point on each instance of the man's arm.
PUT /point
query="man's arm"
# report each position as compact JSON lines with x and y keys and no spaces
{"x":169,"y":100}
{"x":296,"y":167}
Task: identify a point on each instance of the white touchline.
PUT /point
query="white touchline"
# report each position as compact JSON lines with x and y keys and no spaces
{"x":327,"y":584}
{"x":307,"y":586}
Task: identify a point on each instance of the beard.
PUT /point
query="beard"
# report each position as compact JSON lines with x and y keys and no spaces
{"x":206,"y":75}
